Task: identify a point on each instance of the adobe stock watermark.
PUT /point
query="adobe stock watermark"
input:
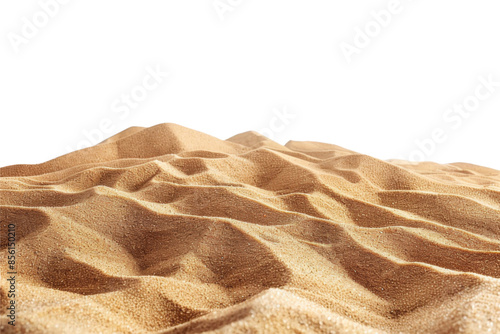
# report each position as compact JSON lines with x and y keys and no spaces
{"x":453,"y":118}
{"x":282,"y":117}
{"x":122,"y":107}
{"x":223,"y":7}
{"x":31,"y":27}
{"x":363,"y":36}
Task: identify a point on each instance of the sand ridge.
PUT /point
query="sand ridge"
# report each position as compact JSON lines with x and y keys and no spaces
{"x":169,"y":230}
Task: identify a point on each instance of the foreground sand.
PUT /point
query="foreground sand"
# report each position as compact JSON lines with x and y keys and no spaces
{"x":169,"y":230}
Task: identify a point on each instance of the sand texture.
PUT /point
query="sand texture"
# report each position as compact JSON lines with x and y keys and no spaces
{"x":169,"y":230}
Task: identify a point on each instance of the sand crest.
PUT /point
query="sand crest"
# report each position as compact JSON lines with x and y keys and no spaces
{"x":169,"y":230}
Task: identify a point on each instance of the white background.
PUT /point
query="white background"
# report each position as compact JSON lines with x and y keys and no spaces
{"x":229,"y":73}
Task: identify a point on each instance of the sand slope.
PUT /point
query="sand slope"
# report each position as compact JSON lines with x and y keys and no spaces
{"x":169,"y":230}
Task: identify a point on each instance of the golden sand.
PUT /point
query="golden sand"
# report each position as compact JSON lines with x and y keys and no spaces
{"x":169,"y":230}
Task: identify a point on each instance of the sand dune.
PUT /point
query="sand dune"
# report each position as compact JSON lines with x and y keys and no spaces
{"x":169,"y":230}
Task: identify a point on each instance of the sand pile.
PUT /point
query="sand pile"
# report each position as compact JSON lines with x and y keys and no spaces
{"x":169,"y":230}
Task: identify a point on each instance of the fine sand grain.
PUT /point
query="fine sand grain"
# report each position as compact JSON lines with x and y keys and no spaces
{"x":169,"y":230}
